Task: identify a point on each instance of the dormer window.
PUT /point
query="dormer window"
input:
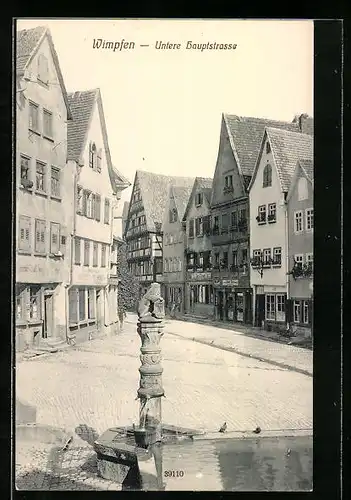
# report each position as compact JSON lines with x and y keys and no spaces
{"x":92,"y":155}
{"x":173,"y":215}
{"x":268,"y":148}
{"x":43,"y":69}
{"x":198,"y":199}
{"x":267,"y":175}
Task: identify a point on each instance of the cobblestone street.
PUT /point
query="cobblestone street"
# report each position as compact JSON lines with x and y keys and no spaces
{"x":95,"y":384}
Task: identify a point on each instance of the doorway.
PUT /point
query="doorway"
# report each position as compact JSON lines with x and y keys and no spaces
{"x":260,"y":310}
{"x":48,"y":316}
{"x":220,"y":305}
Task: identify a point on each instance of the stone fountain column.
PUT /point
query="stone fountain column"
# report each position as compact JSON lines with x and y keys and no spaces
{"x":150,"y":329}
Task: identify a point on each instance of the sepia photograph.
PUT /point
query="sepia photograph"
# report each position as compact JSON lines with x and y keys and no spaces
{"x":164,"y":227}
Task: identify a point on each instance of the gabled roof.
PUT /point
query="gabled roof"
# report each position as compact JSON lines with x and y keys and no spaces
{"x":82,"y":105}
{"x":181,"y":196}
{"x":154,"y":191}
{"x":245,"y":135}
{"x":287,"y":148}
{"x":203,"y":183}
{"x":27,"y":45}
{"x":306,"y":166}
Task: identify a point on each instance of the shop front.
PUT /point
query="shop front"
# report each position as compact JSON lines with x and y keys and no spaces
{"x":199,"y":294}
{"x":232,"y":302}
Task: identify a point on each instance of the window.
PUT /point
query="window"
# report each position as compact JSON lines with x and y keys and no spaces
{"x":95,"y":254}
{"x":20,"y":302}
{"x":200,"y":262}
{"x":234,"y":259}
{"x":302,"y":189}
{"x":305,"y":312}
{"x":81,"y":304}
{"x":268,"y":147}
{"x":107,"y":212}
{"x":91,"y":303}
{"x":298,"y":259}
{"x":92,"y":155}
{"x":86,"y":252}
{"x":272,"y":212}
{"x":173,"y":216}
{"x":198,"y":199}
{"x":297,"y":311}
{"x":216,"y":259}
{"x":73,"y":305}
{"x":309,"y":219}
{"x":55,"y":182}
{"x":243,"y":215}
{"x":24,"y":233}
{"x":280,"y":308}
{"x":261,"y":218}
{"x":47,"y":123}
{"x":277,"y":256}
{"x":79,"y":200}
{"x":191,"y":228}
{"x":298,"y":223}
{"x":97,"y":209}
{"x":270,"y":307}
{"x":267,"y":256}
{"x":40,"y":227}
{"x":224,"y":262}
{"x":99,"y":161}
{"x":89,"y":204}
{"x":77,"y":255}
{"x":309,"y":260}
{"x":267,"y":175}
{"x":103,"y":255}
{"x":244,"y":256}
{"x":43,"y":69}
{"x":228,"y":182}
{"x":25,"y":168}
{"x":54,"y":237}
{"x":34,"y":303}
{"x":199,"y":226}
{"x":33,"y":117}
{"x":40,"y":177}
{"x":234,"y":220}
{"x":224,"y":223}
{"x":256,"y":254}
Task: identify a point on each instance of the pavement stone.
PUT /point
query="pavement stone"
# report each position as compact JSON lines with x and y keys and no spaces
{"x":93,"y":386}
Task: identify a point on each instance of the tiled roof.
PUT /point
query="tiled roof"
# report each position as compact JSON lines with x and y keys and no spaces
{"x":181,"y":197}
{"x":81,"y":104}
{"x":307,"y":166}
{"x":205,"y":183}
{"x":154,"y":190}
{"x":26,"y":42}
{"x":287,"y":149}
{"x":246,"y":134}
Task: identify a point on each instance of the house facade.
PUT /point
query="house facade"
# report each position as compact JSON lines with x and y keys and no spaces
{"x":143,"y":228}
{"x":43,"y":192}
{"x":240,"y":141}
{"x":280,"y":149}
{"x":198,"y":250}
{"x":173,"y":247}
{"x":300,"y":246}
{"x":92,"y":294}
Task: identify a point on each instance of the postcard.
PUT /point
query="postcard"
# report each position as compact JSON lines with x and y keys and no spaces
{"x":164,"y":254}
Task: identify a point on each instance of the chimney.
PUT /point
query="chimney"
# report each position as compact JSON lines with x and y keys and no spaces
{"x":305,"y":124}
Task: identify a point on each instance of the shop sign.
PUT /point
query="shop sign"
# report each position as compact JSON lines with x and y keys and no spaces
{"x":230,"y":282}
{"x":199,"y":276}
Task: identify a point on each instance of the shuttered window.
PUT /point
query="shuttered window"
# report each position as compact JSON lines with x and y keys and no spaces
{"x":40,"y":243}
{"x":24,"y":237}
{"x":54,"y":237}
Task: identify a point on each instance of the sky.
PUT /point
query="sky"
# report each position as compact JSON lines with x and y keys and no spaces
{"x":163,"y":108}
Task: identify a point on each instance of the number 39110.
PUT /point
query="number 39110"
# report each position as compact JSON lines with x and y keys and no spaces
{"x":174,"y":473}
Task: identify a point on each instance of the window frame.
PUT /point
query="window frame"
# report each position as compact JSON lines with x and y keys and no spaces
{"x":95,"y":254}
{"x":298,"y":217}
{"x":58,"y":182}
{"x":27,"y":228}
{"x":107,"y":211}
{"x":309,"y":216}
{"x":42,"y":58}
{"x":26,"y":158}
{"x":262,"y":210}
{"x":198,"y":199}
{"x":267,"y":257}
{"x":43,"y":165}
{"x":31,"y":127}
{"x":103,"y":255}
{"x":275,"y":253}
{"x":302,"y":194}
{"x":267,"y":176}
{"x":41,"y":248}
{"x":86,"y":253}
{"x":48,"y":113}
{"x":77,"y":250}
{"x":58,"y":244}
{"x":297,"y":308}
{"x":272,"y":212}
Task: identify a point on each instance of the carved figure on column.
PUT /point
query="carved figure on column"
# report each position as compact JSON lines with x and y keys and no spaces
{"x":151,"y":304}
